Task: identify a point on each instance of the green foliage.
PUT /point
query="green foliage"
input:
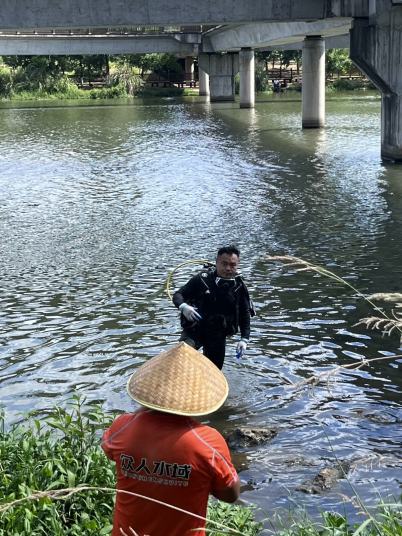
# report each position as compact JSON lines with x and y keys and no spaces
{"x":165,"y":65}
{"x":261,"y":81}
{"x":344,"y":84}
{"x":58,"y":452}
{"x":89,"y":67}
{"x":6,"y":82}
{"x":45,"y":77}
{"x":63,"y":451}
{"x":107,"y":92}
{"x":125,"y":78}
{"x":53,"y":65}
{"x":274,"y":57}
{"x":233,"y":516}
{"x":289,"y":56}
{"x":294,"y":86}
{"x":162,"y":64}
{"x":166,"y":92}
{"x":338,"y":62}
{"x":388,"y":523}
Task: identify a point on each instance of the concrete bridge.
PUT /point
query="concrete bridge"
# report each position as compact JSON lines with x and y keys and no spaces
{"x":224,"y":34}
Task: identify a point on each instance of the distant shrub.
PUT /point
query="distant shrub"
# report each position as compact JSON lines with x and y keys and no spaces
{"x":65,"y":87}
{"x":126,"y":79}
{"x":164,"y":92}
{"x":6,"y":82}
{"x":107,"y":92}
{"x":295,"y":86}
{"x":349,"y":84}
{"x":262,"y":83}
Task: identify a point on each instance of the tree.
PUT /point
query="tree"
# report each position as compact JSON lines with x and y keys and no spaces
{"x":338,"y":62}
{"x":162,"y":64}
{"x":273,"y":56}
{"x":289,"y":56}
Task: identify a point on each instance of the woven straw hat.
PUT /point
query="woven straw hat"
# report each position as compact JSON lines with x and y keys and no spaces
{"x":180,"y":381}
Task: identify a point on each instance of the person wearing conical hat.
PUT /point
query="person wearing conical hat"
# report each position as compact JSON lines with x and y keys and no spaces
{"x":164,"y":457}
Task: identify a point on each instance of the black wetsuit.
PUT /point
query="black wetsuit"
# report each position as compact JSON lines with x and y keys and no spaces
{"x":224,"y":306}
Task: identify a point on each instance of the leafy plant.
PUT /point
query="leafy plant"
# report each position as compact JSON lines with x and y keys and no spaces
{"x":59,"y":451}
{"x":6,"y":82}
{"x":234,"y":516}
{"x":125,"y":78}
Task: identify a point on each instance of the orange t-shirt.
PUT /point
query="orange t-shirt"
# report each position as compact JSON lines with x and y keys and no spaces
{"x":169,"y":458}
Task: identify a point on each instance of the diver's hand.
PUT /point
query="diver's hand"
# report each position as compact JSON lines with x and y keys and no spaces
{"x":190,"y":313}
{"x":241,"y":348}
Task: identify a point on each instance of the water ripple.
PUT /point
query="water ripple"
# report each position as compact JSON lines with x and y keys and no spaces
{"x":98,"y":203}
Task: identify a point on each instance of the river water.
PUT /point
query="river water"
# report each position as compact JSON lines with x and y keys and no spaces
{"x":98,"y":202}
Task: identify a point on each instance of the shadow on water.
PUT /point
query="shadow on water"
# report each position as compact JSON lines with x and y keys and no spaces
{"x":98,"y":203}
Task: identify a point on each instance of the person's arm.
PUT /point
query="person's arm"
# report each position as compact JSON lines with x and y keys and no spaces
{"x":226,"y":482}
{"x":244,"y":316}
{"x":106,"y":444}
{"x":186,"y":293}
{"x":229,"y":494}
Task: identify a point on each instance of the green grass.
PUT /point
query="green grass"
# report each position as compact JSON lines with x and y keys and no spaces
{"x":96,"y":93}
{"x":388,"y":522}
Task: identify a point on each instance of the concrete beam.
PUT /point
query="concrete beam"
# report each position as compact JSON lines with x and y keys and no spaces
{"x":338,"y":41}
{"x":263,"y":34}
{"x":48,"y":14}
{"x":350,"y":8}
{"x":71,"y":45}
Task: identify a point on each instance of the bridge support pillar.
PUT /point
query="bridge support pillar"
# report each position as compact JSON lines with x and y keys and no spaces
{"x":375,"y":47}
{"x":222,"y":69}
{"x":203,"y":82}
{"x":313,"y":86}
{"x":246,"y":68}
{"x":189,"y":67}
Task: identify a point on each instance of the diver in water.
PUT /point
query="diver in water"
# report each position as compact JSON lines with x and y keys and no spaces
{"x":215,"y":304}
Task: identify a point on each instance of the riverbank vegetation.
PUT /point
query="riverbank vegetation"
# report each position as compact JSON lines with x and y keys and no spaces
{"x":286,"y":67}
{"x":130,"y":75}
{"x":61,"y":451}
{"x":85,"y":77}
{"x":56,"y":480}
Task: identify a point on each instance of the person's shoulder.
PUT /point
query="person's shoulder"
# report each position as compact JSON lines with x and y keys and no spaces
{"x":126,"y":418}
{"x":203,"y":276}
{"x":207,"y":436}
{"x":240,"y":282}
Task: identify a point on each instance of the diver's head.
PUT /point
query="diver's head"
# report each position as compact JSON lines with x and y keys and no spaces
{"x":227,"y":262}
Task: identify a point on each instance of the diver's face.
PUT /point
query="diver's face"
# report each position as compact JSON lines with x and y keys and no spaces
{"x":226,"y":265}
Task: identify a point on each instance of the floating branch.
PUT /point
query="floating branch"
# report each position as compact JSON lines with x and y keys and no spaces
{"x":314,"y":380}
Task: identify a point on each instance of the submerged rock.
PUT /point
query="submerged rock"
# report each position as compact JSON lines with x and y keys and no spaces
{"x":377,"y":417}
{"x":249,"y":437}
{"x":326,"y":478}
